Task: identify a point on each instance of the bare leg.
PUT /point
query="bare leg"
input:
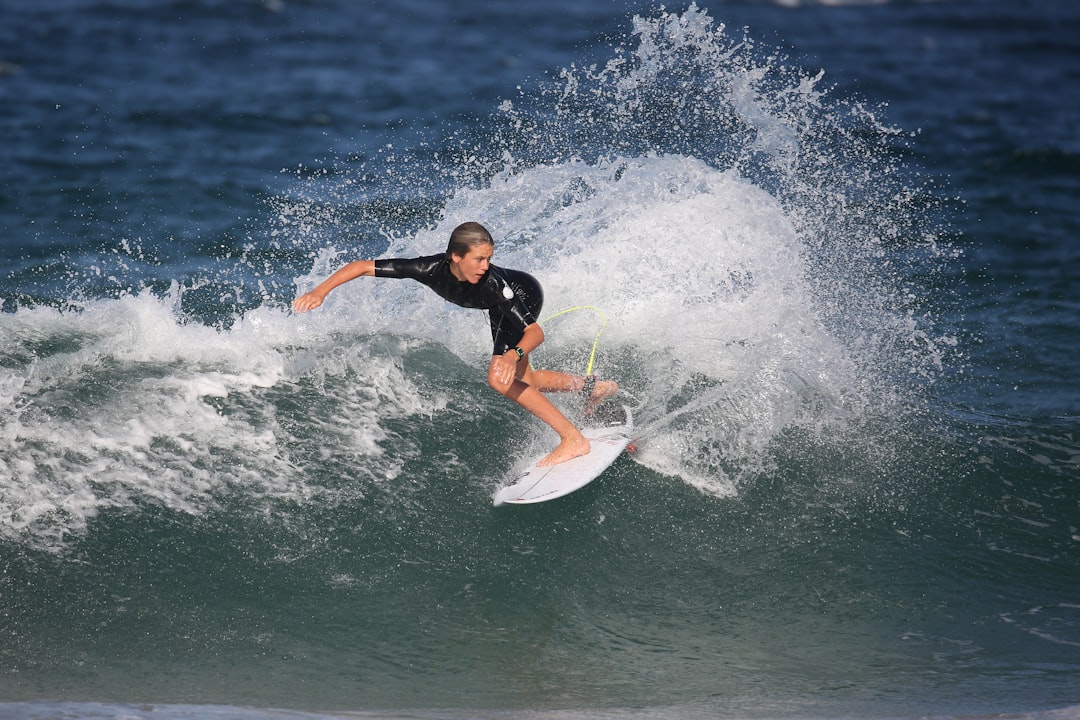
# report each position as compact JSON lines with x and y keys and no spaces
{"x":553,"y":381}
{"x":572,"y":443}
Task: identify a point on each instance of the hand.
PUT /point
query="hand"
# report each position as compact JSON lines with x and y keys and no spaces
{"x":308,"y":301}
{"x":506,"y":368}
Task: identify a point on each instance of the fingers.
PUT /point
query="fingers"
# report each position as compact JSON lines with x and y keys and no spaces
{"x":505,"y":372}
{"x":501,"y":373}
{"x":306,"y":302}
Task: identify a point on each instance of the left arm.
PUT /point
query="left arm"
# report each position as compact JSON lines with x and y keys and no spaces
{"x":534,"y":335}
{"x":505,"y":366}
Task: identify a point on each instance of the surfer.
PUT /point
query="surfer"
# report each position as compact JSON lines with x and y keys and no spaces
{"x":465,"y":276}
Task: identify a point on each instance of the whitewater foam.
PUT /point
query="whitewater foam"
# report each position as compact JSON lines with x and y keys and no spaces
{"x":713,"y":202}
{"x":124,"y":403}
{"x":755,"y":244}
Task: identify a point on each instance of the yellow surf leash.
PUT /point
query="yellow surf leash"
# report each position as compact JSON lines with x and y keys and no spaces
{"x":632,"y":446}
{"x":596,"y":340}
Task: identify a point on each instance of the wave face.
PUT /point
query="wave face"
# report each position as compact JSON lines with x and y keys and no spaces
{"x":208,"y":500}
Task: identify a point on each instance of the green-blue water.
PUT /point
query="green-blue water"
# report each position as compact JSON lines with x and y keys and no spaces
{"x":842,"y":308}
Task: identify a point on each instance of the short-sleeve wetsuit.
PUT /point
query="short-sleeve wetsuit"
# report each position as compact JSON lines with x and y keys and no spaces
{"x":512,"y":298}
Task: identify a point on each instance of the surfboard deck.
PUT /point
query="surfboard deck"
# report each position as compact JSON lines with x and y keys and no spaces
{"x":608,"y":429}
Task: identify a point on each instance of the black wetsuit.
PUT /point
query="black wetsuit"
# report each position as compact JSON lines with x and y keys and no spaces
{"x":512,"y":298}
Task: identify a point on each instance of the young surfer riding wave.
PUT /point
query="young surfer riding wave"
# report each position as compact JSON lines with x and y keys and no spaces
{"x":465,"y":276}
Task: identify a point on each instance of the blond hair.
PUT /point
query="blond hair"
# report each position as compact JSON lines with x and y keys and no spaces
{"x":465,"y":237}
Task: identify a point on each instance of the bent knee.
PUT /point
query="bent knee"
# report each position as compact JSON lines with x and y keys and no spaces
{"x":497,"y":385}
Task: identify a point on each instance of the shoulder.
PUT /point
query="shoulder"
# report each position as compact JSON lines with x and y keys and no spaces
{"x":518,"y":281}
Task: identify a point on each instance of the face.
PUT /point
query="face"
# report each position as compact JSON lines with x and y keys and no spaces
{"x":473,"y":265}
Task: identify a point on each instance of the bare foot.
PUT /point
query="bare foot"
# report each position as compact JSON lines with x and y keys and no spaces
{"x":567,"y":450}
{"x":602,"y":390}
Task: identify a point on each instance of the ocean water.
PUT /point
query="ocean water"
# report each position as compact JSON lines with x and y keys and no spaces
{"x":835,"y":245}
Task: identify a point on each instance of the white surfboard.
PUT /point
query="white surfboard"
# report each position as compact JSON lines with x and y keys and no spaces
{"x":608,"y":431}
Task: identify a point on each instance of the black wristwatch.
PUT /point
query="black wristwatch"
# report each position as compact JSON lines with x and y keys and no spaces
{"x":519,"y":351}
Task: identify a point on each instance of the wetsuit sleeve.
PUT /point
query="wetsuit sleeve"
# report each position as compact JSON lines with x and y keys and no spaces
{"x":414,"y":268}
{"x":518,"y":310}
{"x":526,"y":296}
{"x":512,"y":315}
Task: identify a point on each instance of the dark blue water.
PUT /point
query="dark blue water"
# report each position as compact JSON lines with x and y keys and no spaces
{"x":835,"y":245}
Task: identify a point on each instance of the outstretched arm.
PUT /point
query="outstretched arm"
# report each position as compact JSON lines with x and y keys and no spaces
{"x":350,"y":271}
